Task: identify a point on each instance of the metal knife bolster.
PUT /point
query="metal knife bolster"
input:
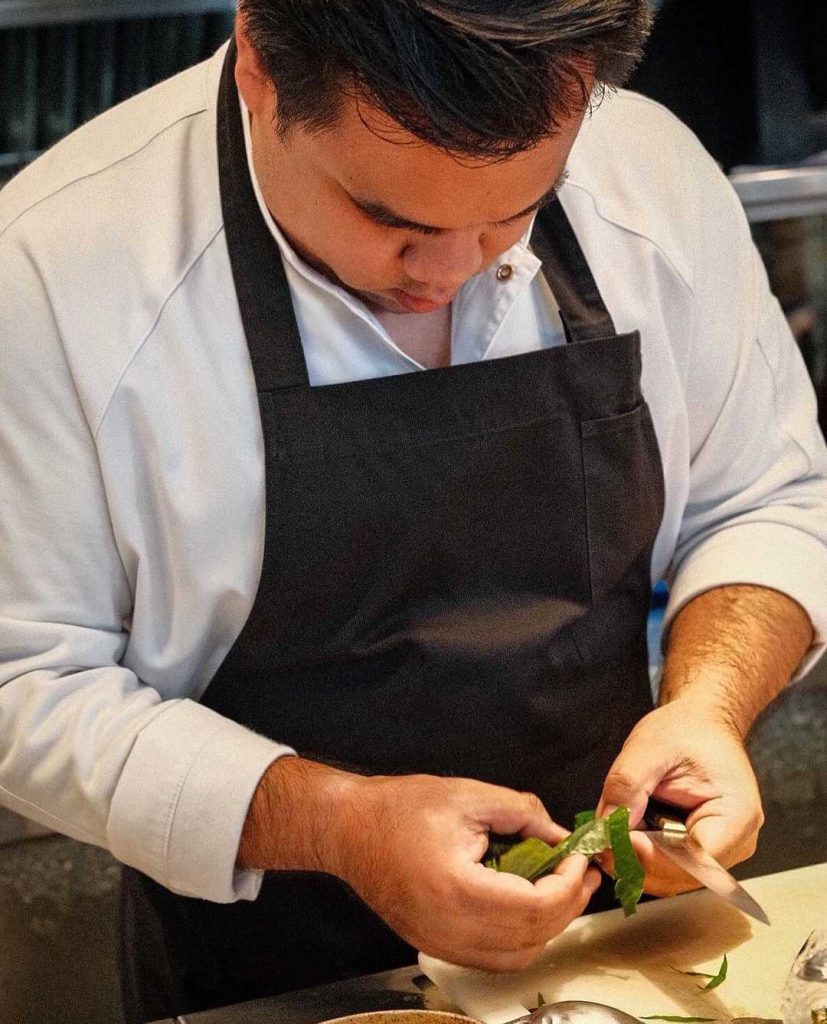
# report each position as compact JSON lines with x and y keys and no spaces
{"x":660,"y":817}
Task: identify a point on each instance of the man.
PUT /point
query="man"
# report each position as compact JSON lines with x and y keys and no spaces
{"x":305,"y":450}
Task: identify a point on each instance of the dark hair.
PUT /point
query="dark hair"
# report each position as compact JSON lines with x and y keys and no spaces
{"x":480,"y":78}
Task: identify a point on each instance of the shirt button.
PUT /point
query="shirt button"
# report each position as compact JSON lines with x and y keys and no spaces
{"x":504,"y":272}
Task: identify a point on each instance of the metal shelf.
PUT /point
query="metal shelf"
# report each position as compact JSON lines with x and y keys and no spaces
{"x":20,"y":13}
{"x":779,"y":193}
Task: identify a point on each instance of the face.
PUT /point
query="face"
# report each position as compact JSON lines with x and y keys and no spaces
{"x":399,"y":223}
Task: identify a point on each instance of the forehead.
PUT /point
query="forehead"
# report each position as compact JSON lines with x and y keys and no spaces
{"x":369,"y":156}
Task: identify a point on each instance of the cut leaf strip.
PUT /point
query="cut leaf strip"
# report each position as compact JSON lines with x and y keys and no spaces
{"x":629,"y":874}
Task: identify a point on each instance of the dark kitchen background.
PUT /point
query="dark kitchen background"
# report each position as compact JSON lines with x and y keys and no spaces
{"x":748,"y":76}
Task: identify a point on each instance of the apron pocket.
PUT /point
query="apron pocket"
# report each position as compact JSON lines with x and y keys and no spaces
{"x":621,"y":475}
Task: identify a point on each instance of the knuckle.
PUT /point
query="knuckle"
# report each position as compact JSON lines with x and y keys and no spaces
{"x":533,"y":803}
{"x":619,"y":780}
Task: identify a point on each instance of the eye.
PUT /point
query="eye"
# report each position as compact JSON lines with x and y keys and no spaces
{"x":391,"y":225}
{"x":424,"y":230}
{"x":516,"y":219}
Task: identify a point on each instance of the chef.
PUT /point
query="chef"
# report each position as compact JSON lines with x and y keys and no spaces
{"x":357,"y":386}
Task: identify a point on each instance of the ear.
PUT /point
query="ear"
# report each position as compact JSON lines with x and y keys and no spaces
{"x":255,"y":87}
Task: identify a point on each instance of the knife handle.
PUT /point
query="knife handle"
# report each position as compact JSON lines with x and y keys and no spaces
{"x":663,"y":817}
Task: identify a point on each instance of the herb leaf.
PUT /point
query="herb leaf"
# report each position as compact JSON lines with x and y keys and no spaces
{"x":583,"y":818}
{"x":541,"y":1000}
{"x":719,"y":977}
{"x":680,"y":1020}
{"x":629,"y":875}
{"x":715,"y":979}
{"x":532,"y":858}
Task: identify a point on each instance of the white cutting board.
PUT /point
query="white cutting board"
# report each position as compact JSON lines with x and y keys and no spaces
{"x":631,"y":963}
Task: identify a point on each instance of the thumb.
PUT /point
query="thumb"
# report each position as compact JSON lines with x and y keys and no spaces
{"x":509,"y":813}
{"x":629,"y":783}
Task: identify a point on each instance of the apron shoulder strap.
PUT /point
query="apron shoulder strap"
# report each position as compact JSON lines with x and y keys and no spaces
{"x":582,"y":309}
{"x":258,"y":272}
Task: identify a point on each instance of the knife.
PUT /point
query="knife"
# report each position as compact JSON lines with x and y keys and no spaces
{"x":667,"y":830}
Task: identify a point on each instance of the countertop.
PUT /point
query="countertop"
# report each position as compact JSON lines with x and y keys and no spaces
{"x":633,"y":963}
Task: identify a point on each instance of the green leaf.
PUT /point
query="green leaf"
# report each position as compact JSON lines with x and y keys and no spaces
{"x":678,"y":1020}
{"x":629,"y":875}
{"x":541,"y":1000}
{"x":532,"y":858}
{"x":719,"y":977}
{"x":715,"y":979}
{"x":589,"y":838}
{"x":583,"y":818}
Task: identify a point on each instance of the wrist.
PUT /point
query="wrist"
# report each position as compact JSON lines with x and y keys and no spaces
{"x":708,"y":702}
{"x":297,"y":816}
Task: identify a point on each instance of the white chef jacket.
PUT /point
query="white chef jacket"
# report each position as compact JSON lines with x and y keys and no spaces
{"x":131,"y":455}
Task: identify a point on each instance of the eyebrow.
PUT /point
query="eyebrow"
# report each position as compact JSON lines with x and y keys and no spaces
{"x":384,"y":215}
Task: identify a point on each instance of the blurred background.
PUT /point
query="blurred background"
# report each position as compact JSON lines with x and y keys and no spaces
{"x":748,"y":76}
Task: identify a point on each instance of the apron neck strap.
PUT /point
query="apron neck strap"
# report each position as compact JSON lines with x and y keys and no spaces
{"x":582,"y":309}
{"x":258,"y":272}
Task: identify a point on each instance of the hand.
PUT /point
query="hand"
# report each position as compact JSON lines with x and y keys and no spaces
{"x":683,"y":754}
{"x":420,"y":869}
{"x":411,"y":847}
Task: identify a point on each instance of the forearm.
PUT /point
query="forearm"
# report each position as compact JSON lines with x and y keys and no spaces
{"x":296,"y":815}
{"x":732,"y":650}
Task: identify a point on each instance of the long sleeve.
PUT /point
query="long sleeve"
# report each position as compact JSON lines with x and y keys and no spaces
{"x":85,"y":746}
{"x":757,"y":501}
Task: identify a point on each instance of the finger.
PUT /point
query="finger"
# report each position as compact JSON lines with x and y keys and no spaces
{"x":666,"y":879}
{"x":516,"y":913}
{"x":663,"y":876}
{"x":575,"y":880}
{"x":630,"y":782}
{"x":573,"y":868}
{"x":606,"y":862}
{"x":511,"y":813}
{"x":727,"y":829}
{"x":550,"y":832}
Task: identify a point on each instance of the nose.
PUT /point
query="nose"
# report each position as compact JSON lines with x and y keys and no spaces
{"x":443,"y":263}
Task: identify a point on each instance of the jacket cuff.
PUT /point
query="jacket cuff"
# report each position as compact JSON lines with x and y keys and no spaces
{"x":764,"y":555}
{"x":182,"y":799}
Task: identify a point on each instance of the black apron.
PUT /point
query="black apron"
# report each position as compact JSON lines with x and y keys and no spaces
{"x":456,"y":581}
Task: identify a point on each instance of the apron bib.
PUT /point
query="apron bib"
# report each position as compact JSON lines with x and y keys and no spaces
{"x":456,"y":581}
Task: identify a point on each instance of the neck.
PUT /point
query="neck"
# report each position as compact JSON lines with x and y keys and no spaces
{"x":425,"y":337}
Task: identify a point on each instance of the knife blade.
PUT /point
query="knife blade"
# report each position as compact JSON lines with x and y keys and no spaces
{"x":669,"y":834}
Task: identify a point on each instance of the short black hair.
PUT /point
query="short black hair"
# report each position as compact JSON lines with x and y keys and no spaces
{"x":479,"y":78}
